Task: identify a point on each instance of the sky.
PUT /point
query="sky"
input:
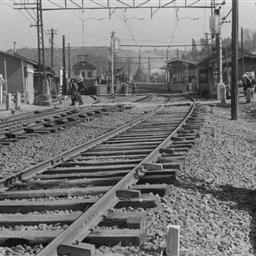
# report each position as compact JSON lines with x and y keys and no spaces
{"x":139,"y":28}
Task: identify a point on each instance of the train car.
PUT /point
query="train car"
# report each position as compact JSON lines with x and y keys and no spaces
{"x":86,"y":74}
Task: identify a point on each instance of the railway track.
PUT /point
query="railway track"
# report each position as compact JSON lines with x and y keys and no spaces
{"x":67,"y":203}
{"x":24,"y":126}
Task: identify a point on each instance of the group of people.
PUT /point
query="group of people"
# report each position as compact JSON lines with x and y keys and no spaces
{"x":120,"y":78}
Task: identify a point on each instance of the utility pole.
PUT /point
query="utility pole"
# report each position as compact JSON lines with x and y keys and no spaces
{"x":128,"y":70}
{"x":166,"y":70}
{"x":227,"y":68}
{"x":178,"y":53}
{"x":149,"y":68}
{"x":207,"y":42}
{"x":40,"y":45}
{"x":139,"y":58}
{"x":112,"y":62}
{"x":69,"y":61}
{"x":14,"y":47}
{"x":64,"y":89}
{"x":219,"y":47}
{"x":234,"y":78}
{"x":6,"y":77}
{"x":242,"y":49}
{"x":83,"y":43}
{"x":52,"y":32}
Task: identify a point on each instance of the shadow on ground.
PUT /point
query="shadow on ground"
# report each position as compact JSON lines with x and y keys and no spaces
{"x":243,"y":199}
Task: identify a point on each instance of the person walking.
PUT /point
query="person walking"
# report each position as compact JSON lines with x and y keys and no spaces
{"x":75,"y":94}
{"x":247,"y":88}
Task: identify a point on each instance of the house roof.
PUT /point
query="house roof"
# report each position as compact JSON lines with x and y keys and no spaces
{"x":178,"y":60}
{"x":26,"y":59}
{"x":19,"y":57}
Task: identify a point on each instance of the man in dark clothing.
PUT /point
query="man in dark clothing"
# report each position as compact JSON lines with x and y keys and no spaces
{"x":75,"y":94}
{"x":246,"y":83}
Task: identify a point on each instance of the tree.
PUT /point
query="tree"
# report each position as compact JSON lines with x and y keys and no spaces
{"x":194,"y":52}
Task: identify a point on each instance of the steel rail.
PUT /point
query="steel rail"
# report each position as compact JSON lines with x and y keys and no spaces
{"x":80,"y":228}
{"x":28,"y":173}
{"x":24,"y":119}
{"x":31,"y":116}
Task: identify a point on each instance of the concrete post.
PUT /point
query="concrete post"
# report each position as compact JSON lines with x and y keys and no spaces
{"x":17,"y":100}
{"x":173,"y":240}
{"x":248,"y":95}
{"x":2,"y":81}
{"x":1,"y":93}
{"x":8,"y":101}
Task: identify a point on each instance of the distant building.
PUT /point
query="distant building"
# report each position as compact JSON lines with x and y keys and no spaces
{"x":22,"y":76}
{"x":180,"y":73}
{"x":207,"y":70}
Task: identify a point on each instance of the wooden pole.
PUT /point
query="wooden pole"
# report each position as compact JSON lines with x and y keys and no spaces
{"x":64,"y":85}
{"x":5,"y":77}
{"x":219,"y":47}
{"x":128,"y":71}
{"x":166,"y":71}
{"x":52,"y":41}
{"x":69,"y":61}
{"x":139,"y":58}
{"x":234,"y":78}
{"x":112,"y":62}
{"x":242,"y":49}
{"x":149,"y":68}
{"x":227,"y":69}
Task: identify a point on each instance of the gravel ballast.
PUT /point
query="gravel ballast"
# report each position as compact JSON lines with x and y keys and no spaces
{"x":20,"y":155}
{"x":213,"y":199}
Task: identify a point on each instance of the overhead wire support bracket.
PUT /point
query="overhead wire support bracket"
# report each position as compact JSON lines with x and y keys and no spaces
{"x":111,"y":12}
{"x":141,"y":4}
{"x":79,"y":6}
{"x":50,"y":1}
{"x":116,"y":4}
{"x":128,"y":5}
{"x":99,"y":4}
{"x":194,"y":2}
{"x":160,"y":6}
{"x":153,"y":12}
{"x":33,"y":18}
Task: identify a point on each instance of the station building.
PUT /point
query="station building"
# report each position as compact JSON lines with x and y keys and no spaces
{"x":22,"y":75}
{"x":19,"y":75}
{"x":207,"y":70}
{"x":204,"y":74}
{"x":180,"y":73}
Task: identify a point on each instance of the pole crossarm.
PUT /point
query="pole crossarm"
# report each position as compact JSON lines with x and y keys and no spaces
{"x":50,"y":5}
{"x":151,"y":57}
{"x":159,"y":45}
